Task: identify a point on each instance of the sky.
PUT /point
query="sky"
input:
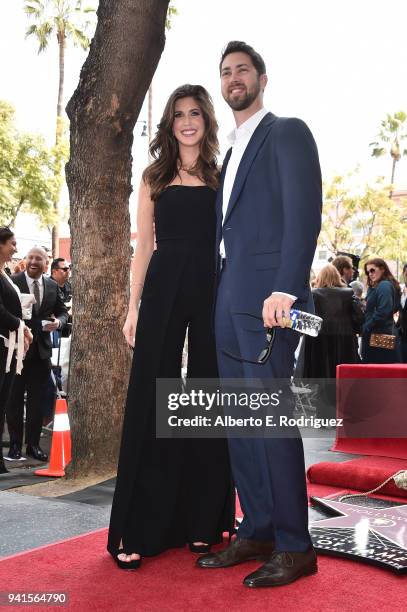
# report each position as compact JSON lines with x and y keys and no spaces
{"x":340,"y":65}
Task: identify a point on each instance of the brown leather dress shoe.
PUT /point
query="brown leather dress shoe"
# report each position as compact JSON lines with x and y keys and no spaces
{"x":238,"y":551}
{"x":283,"y":568}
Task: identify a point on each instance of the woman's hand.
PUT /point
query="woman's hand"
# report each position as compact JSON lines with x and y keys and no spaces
{"x":28,"y":338}
{"x":129,"y":328}
{"x":28,"y":335}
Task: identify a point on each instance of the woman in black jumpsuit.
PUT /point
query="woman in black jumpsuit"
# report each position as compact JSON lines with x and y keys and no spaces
{"x":172,"y":492}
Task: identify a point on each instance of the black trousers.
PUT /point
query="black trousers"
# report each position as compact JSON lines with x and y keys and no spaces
{"x":5,"y":384}
{"x":182,"y":485}
{"x":269,"y":473}
{"x":33,"y":379}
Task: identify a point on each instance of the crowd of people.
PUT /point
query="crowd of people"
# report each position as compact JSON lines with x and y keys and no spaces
{"x":27,"y":339}
{"x":353,"y":314}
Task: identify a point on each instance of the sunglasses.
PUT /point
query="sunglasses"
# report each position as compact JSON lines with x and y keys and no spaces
{"x":64,"y":269}
{"x":265,"y":352}
{"x":372,"y":270}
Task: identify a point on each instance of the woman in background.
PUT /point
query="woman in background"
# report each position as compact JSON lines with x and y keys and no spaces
{"x":336,"y":343}
{"x":382,"y":302}
{"x":402,"y":321}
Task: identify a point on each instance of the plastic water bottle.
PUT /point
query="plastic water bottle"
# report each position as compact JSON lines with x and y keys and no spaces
{"x":304,"y":322}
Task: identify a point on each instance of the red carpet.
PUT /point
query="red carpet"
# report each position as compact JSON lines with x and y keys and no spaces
{"x":394,"y":403}
{"x":170,"y":583}
{"x":360,"y":474}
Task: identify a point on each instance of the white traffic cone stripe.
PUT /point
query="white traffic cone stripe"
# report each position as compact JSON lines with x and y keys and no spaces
{"x":61,"y":422}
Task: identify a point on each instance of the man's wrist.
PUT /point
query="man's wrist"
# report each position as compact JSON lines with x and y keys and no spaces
{"x":292,"y":297}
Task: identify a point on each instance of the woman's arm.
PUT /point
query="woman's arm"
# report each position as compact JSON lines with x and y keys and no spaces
{"x":8,"y":322}
{"x":141,"y":259}
{"x":358,"y":316}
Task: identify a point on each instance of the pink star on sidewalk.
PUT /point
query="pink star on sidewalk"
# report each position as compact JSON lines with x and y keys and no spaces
{"x":390,"y":523}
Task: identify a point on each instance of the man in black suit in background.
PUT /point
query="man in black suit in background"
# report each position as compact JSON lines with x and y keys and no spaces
{"x":49,"y":307}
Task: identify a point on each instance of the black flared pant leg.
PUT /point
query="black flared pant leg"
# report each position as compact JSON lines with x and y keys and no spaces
{"x":181,"y":485}
{"x":6,"y":381}
{"x":206,"y":471}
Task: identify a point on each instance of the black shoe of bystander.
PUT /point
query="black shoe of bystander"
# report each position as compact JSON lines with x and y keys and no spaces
{"x":36,"y":453}
{"x":14,"y":453}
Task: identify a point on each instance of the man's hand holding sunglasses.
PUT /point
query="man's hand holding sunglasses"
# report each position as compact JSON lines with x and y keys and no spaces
{"x":276,"y":309}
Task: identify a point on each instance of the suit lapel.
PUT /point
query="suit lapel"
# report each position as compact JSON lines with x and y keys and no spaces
{"x":219,"y":198}
{"x":250,"y":153}
{"x":45,"y":294}
{"x":23,"y":283}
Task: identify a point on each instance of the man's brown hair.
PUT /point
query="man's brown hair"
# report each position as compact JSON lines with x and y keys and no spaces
{"x":341,"y":263}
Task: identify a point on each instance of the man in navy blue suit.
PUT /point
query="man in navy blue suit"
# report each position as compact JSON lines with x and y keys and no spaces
{"x":269,"y":218}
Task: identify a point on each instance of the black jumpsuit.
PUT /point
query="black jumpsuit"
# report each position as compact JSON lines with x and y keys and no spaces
{"x":172,"y":491}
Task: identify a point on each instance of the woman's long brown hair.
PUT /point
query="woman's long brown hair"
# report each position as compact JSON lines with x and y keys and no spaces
{"x":387,"y":275}
{"x":164,"y":147}
{"x":328,"y":276}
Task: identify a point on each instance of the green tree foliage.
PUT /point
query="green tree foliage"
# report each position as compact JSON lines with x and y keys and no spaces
{"x":363,"y":219}
{"x":172,"y":11}
{"x":27,"y":171}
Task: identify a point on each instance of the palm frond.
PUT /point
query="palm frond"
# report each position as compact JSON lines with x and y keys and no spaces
{"x":378,"y":152}
{"x":31,"y":10}
{"x":401,"y":116}
{"x":31,"y":30}
{"x":42,"y":32}
{"x":31,"y":6}
{"x":78,"y":36}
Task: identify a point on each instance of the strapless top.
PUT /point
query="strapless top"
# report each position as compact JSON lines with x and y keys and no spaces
{"x":185,"y":214}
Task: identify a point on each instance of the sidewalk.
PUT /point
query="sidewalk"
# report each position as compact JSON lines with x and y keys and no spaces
{"x":29,"y":521}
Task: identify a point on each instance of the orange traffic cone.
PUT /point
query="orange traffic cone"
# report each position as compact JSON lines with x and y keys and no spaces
{"x":61,"y":442}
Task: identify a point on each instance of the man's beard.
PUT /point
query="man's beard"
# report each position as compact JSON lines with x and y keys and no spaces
{"x":244,"y":102}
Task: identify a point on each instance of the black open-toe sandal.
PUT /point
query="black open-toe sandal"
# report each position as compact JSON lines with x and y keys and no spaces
{"x":200,"y":548}
{"x":126,"y":565}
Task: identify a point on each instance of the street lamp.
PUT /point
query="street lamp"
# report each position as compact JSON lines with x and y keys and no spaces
{"x":144,"y":130}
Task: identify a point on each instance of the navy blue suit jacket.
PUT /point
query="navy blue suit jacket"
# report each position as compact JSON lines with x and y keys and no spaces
{"x":273,"y":218}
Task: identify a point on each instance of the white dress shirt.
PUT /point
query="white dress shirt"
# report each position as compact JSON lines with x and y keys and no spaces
{"x":239,"y":139}
{"x":30,"y":283}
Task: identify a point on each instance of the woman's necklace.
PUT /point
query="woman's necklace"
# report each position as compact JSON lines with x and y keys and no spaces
{"x":188,"y":168}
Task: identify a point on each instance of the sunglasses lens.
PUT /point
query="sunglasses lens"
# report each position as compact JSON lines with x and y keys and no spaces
{"x":263,"y":355}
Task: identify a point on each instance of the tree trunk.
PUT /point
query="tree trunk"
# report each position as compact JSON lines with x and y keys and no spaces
{"x":58,"y":137}
{"x":393,"y":172}
{"x":11,"y":222}
{"x":124,"y":54}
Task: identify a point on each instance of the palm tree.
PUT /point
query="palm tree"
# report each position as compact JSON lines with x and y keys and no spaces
{"x":65,"y":19}
{"x":393,"y":132}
